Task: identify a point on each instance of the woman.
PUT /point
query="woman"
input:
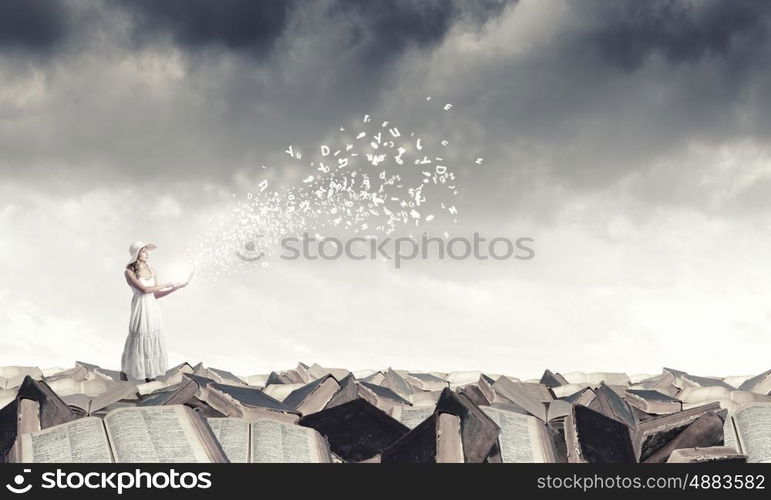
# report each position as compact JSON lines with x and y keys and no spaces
{"x":144,"y":355}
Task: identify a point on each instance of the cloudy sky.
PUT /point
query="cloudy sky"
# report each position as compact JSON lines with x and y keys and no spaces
{"x":631,"y":140}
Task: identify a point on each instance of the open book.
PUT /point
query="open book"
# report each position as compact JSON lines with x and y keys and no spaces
{"x":750,"y":431}
{"x":760,"y":384}
{"x":313,"y":396}
{"x":13,"y":376}
{"x":127,"y":435}
{"x":523,"y":438}
{"x":92,"y":402}
{"x":730,"y":399}
{"x":269,"y":441}
{"x":14,"y":372}
{"x":708,"y":454}
{"x":655,"y":433}
{"x":528,"y":396}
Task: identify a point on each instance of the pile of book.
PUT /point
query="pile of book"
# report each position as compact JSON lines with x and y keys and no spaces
{"x":316,"y":414}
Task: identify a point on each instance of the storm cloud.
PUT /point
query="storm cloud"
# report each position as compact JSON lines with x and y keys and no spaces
{"x":627,"y":33}
{"x":585,"y":93}
{"x":32,"y":25}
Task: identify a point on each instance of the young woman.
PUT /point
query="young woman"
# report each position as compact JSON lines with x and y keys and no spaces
{"x":144,"y":355}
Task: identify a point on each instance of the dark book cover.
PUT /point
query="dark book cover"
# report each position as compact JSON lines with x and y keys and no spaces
{"x":572,"y":398}
{"x":748,"y":384}
{"x":665,"y":428}
{"x":277,"y":378}
{"x":396,"y":383}
{"x":495,"y":454}
{"x":550,"y":379}
{"x":202,"y":381}
{"x":613,"y":406}
{"x":475,"y":395}
{"x":705,"y":431}
{"x":652,"y":395}
{"x":385,"y":392}
{"x":416,"y":447}
{"x":9,"y":415}
{"x":356,"y":430}
{"x":203,"y":408}
{"x":250,"y":396}
{"x":53,"y":411}
{"x":602,"y":440}
{"x":297,"y":396}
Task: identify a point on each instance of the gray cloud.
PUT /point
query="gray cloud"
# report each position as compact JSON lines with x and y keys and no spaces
{"x":382,"y":29}
{"x":378,"y":29}
{"x":626,"y":32}
{"x":153,"y":92}
{"x":174,"y":87}
{"x":241,"y":25}
{"x":32,"y":25}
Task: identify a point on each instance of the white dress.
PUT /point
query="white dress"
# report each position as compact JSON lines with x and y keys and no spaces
{"x":144,"y":355}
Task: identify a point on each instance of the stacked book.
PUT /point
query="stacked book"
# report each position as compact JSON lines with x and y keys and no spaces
{"x":315,"y":414}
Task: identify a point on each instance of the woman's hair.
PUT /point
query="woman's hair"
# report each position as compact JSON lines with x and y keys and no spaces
{"x":134,"y":266}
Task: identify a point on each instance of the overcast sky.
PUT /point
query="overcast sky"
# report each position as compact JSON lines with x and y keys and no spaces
{"x":631,"y":140}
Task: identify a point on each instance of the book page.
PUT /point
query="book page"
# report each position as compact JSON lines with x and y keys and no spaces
{"x":753,"y":427}
{"x":538,"y":392}
{"x":11,"y":372}
{"x":566,"y":390}
{"x":412,"y":416}
{"x":704,"y":394}
{"x":610,"y":378}
{"x":558,"y":409}
{"x":729,"y":434}
{"x":65,"y":386}
{"x":274,"y":442}
{"x":519,"y":439}
{"x":114,"y":392}
{"x":517,"y":393}
{"x":78,"y":401}
{"x":68,"y":386}
{"x":280,"y":391}
{"x":153,"y":434}
{"x":79,"y":441}
{"x":6,"y":396}
{"x":425,"y":398}
{"x":233,"y":436}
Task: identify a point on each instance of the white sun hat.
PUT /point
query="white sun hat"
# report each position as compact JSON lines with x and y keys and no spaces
{"x":137,"y":246}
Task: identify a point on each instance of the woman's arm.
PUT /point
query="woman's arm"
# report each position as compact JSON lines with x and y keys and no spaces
{"x":134,"y":282}
{"x":173,"y":287}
